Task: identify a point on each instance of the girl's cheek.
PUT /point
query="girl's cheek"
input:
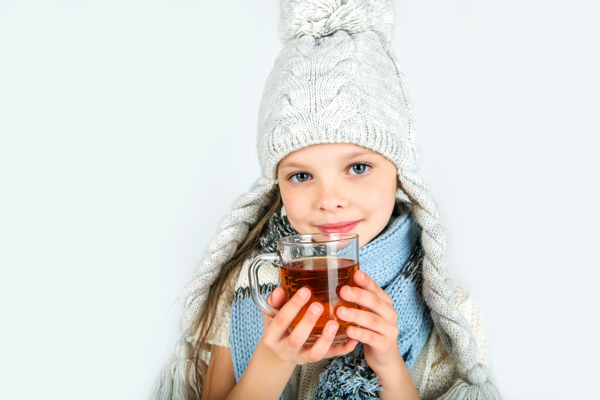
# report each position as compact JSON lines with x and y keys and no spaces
{"x":296,"y":210}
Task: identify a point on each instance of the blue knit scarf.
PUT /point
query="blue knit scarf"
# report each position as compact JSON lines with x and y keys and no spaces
{"x":393,"y":260}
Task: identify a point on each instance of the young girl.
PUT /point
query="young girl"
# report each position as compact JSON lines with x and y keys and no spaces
{"x":337,"y":148}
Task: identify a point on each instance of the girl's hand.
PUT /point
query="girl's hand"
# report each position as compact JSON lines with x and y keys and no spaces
{"x":278,"y":351}
{"x":290,"y":346}
{"x":378,"y":321}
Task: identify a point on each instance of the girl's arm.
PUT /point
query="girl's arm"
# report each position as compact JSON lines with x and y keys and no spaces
{"x":263,"y":379}
{"x":378,"y":331}
{"x":220,"y":378}
{"x":277,"y":354}
{"x":396,"y":382}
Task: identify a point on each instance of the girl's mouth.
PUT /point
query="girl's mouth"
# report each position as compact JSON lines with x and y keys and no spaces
{"x":344,"y":226}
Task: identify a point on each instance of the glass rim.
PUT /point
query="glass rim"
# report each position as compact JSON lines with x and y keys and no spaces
{"x":348,"y":236}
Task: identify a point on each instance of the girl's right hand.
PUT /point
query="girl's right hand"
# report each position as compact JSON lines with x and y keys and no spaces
{"x":290,"y":346}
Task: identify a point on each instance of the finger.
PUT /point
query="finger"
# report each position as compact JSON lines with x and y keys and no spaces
{"x":290,"y":310}
{"x":302,"y":331}
{"x":322,"y":345}
{"x":369,"y":300}
{"x":276,"y":298}
{"x":366,"y":282}
{"x":369,"y":338}
{"x":341,"y":349}
{"x":368,"y":320}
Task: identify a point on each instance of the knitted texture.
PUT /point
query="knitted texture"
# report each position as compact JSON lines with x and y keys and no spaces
{"x":322,"y":18}
{"x":348,"y":377}
{"x":336,"y":80}
{"x":434,"y":372}
{"x":344,"y":90}
{"x":392,"y":260}
{"x":232,"y":231}
{"x":347,"y":88}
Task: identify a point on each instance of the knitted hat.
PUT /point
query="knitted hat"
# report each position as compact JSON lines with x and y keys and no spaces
{"x":337,"y":81}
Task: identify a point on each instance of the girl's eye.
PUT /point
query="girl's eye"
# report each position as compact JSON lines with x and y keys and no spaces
{"x":300,"y":177}
{"x":359,"y":168}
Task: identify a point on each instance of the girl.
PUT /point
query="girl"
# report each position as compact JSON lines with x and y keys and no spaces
{"x":337,"y":148}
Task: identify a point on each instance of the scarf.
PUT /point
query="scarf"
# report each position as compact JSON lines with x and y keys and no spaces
{"x":392,"y":259}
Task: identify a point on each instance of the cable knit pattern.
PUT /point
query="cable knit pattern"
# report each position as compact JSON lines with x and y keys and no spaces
{"x":336,"y":80}
{"x":436,"y":370}
{"x":453,"y":327}
{"x":344,"y":90}
{"x":232,"y":231}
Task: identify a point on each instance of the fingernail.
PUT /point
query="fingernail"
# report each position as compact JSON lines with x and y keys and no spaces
{"x":343,"y":311}
{"x":358,"y":274}
{"x":303,"y":293}
{"x":349,"y":291}
{"x":350,"y":330}
{"x":315,"y":309}
{"x":333,"y":327}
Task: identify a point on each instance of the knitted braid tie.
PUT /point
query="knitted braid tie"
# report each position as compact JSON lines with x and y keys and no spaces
{"x":231,"y":232}
{"x":453,"y":328}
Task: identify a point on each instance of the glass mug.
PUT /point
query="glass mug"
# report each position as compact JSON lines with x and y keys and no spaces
{"x":323,"y":262}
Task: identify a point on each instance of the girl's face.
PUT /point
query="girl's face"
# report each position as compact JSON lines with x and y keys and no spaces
{"x":338,"y":187}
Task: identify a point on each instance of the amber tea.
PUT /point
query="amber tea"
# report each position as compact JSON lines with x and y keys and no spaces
{"x":323,"y":262}
{"x":324,"y":276}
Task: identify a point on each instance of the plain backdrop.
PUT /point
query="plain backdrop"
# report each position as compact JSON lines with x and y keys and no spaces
{"x":128,"y":130}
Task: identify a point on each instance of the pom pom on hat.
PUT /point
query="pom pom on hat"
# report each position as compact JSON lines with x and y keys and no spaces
{"x":320,"y":18}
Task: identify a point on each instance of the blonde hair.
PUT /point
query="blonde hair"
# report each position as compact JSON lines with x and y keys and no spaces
{"x":203,"y":324}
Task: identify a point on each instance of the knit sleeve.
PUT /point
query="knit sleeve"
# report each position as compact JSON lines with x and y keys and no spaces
{"x":435,"y":371}
{"x":219,"y":332}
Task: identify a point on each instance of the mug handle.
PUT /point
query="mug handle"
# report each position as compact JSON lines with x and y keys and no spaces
{"x":255,"y":264}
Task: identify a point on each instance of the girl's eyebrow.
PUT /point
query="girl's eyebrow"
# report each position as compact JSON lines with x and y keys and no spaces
{"x":359,"y":154}
{"x":294,"y":164}
{"x":291,"y":164}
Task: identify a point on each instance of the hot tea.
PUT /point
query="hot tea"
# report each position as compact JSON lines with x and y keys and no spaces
{"x":323,"y":262}
{"x":324,"y":276}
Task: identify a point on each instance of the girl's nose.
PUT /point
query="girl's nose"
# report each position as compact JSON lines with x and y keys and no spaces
{"x":330,"y":198}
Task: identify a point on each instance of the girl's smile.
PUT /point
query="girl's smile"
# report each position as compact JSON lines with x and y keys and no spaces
{"x":345,"y":226}
{"x":338,"y":187}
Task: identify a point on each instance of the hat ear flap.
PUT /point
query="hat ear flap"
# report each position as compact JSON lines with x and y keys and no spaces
{"x":232,"y":231}
{"x":452,"y":326}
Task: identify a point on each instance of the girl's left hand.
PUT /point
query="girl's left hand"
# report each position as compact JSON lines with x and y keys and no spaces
{"x":378,"y":321}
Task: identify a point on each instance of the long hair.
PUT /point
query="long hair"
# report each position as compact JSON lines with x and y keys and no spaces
{"x":204,"y":322}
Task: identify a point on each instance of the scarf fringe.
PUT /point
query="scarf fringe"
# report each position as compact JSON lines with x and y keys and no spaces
{"x":348,"y":378}
{"x":475,"y":387}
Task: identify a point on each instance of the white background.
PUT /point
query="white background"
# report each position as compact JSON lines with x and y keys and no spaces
{"x":128,"y":129}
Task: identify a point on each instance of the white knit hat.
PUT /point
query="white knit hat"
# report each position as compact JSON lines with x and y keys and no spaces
{"x":337,"y":81}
